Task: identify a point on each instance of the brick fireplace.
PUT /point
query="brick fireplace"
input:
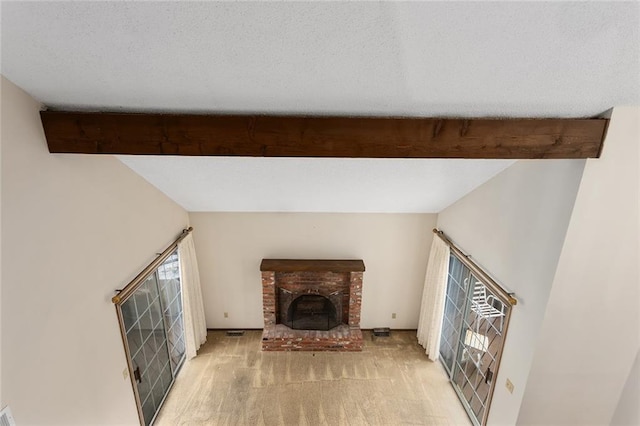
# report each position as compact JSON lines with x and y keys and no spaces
{"x":311,"y":305}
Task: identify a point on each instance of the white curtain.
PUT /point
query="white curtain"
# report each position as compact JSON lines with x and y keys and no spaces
{"x":433,"y":295}
{"x":195,"y":328}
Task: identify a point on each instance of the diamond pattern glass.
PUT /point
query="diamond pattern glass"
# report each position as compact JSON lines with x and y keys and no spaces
{"x":472,"y":338}
{"x":153,"y":324}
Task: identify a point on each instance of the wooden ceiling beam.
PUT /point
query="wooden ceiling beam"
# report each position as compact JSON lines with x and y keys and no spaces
{"x":338,"y":137}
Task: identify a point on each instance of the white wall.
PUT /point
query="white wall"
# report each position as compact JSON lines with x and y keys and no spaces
{"x":627,"y":412}
{"x":74,"y":228}
{"x":394,"y":248}
{"x":591,"y":330}
{"x":514,"y":226}
{"x":1,"y":399}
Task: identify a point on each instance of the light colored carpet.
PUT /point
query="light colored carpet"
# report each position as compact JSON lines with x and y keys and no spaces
{"x":232,"y":382}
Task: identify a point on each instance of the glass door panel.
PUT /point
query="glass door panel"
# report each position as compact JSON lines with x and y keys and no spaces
{"x":150,"y":316}
{"x":455,"y":301}
{"x":146,"y":339}
{"x":472,"y":338}
{"x":170,"y":294}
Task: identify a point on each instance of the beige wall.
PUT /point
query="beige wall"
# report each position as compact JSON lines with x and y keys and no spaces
{"x":74,"y":228}
{"x":514,"y":226}
{"x":591,"y":331}
{"x":1,"y":109}
{"x":230,"y":247}
{"x":627,"y":411}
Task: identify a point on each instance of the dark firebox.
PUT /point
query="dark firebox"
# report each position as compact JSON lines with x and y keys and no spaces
{"x":309,"y":311}
{"x":312,"y":312}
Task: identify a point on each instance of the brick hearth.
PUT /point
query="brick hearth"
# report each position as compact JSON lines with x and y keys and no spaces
{"x":321,"y":277}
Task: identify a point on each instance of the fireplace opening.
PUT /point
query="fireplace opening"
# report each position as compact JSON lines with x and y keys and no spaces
{"x":312,"y":312}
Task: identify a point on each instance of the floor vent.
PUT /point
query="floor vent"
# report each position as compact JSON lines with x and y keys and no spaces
{"x":232,"y":333}
{"x":381,"y":332}
{"x":6,"y":419}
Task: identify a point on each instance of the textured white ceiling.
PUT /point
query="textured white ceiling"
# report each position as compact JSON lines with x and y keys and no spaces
{"x":389,"y":58}
{"x":313,"y":184}
{"x":509,"y":59}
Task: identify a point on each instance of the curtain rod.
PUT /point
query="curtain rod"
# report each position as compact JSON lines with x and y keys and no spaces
{"x":477,"y":269}
{"x":139,"y":279}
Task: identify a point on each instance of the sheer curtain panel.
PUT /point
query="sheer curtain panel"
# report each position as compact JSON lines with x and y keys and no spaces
{"x":195,"y":328}
{"x":432,"y":309}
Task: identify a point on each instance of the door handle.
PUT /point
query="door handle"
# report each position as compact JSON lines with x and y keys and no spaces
{"x":488,"y":376}
{"x":136,"y":375}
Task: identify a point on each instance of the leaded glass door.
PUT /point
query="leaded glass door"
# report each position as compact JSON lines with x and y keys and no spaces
{"x":147,"y":342}
{"x":473,"y":332}
{"x":153,"y":331}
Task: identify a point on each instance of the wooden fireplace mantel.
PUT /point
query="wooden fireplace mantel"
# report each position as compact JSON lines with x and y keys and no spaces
{"x":311,"y":265}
